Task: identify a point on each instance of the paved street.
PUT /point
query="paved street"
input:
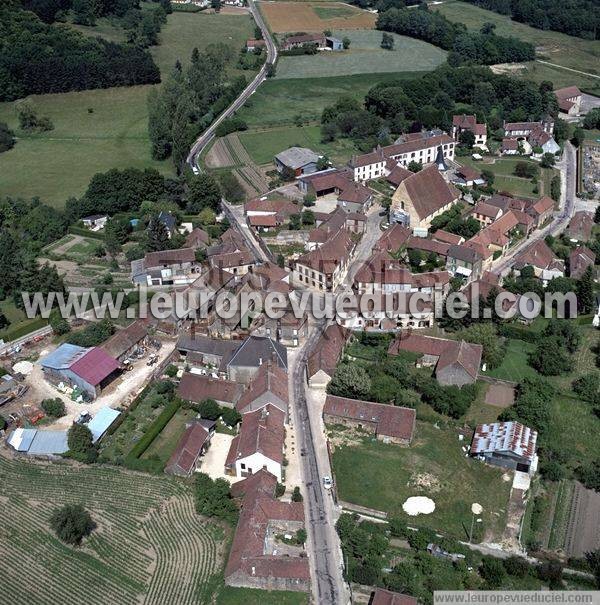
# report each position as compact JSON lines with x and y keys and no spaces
{"x":568,"y":172}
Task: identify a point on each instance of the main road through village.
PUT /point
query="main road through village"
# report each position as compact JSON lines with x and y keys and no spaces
{"x":328,"y":586}
{"x":325,"y":555}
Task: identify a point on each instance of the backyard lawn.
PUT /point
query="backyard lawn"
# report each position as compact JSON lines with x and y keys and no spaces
{"x":164,"y":445}
{"x":264,"y":145}
{"x":383,"y":476}
{"x":230,"y":595}
{"x":551,"y":46}
{"x":365,"y":55}
{"x":514,"y":366}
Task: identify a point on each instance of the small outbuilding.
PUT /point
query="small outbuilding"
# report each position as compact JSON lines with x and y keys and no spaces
{"x":298,"y":160}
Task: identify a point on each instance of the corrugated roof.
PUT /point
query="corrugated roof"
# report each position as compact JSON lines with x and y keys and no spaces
{"x":94,"y":366}
{"x":102,"y":421}
{"x":505,"y":437}
{"x":63,"y":357}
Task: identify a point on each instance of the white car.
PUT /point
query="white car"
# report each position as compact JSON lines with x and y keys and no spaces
{"x":327,"y":482}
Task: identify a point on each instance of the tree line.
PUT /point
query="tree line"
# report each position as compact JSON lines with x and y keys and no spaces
{"x":189,"y":101}
{"x":579,"y":18}
{"x":37,"y":58}
{"x":409,"y":105}
{"x":483,"y":47}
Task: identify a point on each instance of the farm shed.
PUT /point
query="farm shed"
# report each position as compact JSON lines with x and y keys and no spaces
{"x":299,"y":160}
{"x":38,"y":443}
{"x":89,"y":369}
{"x":193,"y":443}
{"x":124,"y":342}
{"x":102,"y":421}
{"x":506,"y":444}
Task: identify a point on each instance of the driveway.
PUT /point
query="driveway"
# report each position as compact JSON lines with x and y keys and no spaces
{"x":213,"y":462}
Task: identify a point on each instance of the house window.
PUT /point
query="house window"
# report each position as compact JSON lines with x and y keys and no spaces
{"x":243,"y":466}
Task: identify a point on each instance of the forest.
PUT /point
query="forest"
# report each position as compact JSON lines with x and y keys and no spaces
{"x":579,"y":18}
{"x":484,"y":47}
{"x":39,"y":58}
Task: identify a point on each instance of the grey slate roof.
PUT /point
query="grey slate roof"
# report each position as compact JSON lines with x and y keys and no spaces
{"x":256,"y":350}
{"x":296,"y":157}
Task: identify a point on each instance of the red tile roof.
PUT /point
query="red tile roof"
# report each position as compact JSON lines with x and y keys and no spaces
{"x":197,"y":388}
{"x":392,"y":421}
{"x":189,"y":447}
{"x":537,"y":255}
{"x":271,"y":379}
{"x":446,"y":237}
{"x":417,"y":143}
{"x":449,"y":352}
{"x":262,"y":431}
{"x":567,"y":93}
{"x":579,"y":260}
{"x":263,"y":220}
{"x":394,"y":238}
{"x":428,"y":245}
{"x":429,"y":191}
{"x":334,"y":251}
{"x":327,"y":350}
{"x":581,"y":226}
{"x":387,"y":597}
{"x":486,"y":210}
{"x":169,"y":257}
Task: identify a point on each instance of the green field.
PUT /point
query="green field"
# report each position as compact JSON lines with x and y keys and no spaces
{"x":515,"y":367}
{"x":264,"y":145}
{"x":382,"y":476}
{"x":503,"y":169}
{"x":59,"y":164}
{"x":149,"y":546}
{"x":554,"y":47}
{"x":229,"y":595}
{"x":277,"y":102}
{"x":364,"y":56}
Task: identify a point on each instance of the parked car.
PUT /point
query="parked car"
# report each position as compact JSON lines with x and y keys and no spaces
{"x":327,"y":482}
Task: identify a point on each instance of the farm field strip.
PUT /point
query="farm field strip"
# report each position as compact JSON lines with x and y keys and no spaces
{"x":301,"y":16}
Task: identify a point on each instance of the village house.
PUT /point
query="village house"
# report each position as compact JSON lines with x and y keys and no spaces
{"x":580,"y":227}
{"x":393,"y":239}
{"x":325,"y":355}
{"x":88,"y":370}
{"x":304,"y":39}
{"x":297,"y":160}
{"x":257,"y":558}
{"x":485,"y":213}
{"x":197,"y":239}
{"x":387,"y":597}
{"x":464,"y":261}
{"x":245,"y":362}
{"x":382,"y":273}
{"x":422,"y":197}
{"x":569,"y":100}
{"x":205,"y":352}
{"x":468,"y":177}
{"x":329,"y":224}
{"x":195,"y":388}
{"x":270,"y":385}
{"x":290,"y":330}
{"x":580,"y":259}
{"x":265,"y":213}
{"x":545,"y":264}
{"x":428,"y":246}
{"x":388,"y":422}
{"x":456,"y":362}
{"x":396,"y":173}
{"x":169,"y":221}
{"x":469,"y":123}
{"x":445,"y":237}
{"x":324,"y":268}
{"x":95,"y":222}
{"x":252,"y":45}
{"x":193,"y":443}
{"x":166,"y":267}
{"x":509,"y":146}
{"x":259,"y":444}
{"x":541,"y":210}
{"x":506,"y":444}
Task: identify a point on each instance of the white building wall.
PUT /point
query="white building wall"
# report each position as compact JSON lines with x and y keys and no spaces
{"x":252,"y":464}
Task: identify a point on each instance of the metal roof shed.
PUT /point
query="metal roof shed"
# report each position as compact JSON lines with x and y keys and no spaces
{"x":63,"y":357}
{"x":102,"y":421}
{"x":48,"y":443}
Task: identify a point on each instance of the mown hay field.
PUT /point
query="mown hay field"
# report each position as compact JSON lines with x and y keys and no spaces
{"x":149,"y":547}
{"x":285,"y":17}
{"x":364,"y":55}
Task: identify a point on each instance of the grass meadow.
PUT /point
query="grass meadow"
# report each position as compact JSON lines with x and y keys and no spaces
{"x":382,"y":476}
{"x":97,"y":130}
{"x":554,"y":47}
{"x":364,"y":55}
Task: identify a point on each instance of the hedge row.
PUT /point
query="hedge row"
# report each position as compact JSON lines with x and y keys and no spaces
{"x":73,"y":229}
{"x":518,"y":333}
{"x":152,"y":433}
